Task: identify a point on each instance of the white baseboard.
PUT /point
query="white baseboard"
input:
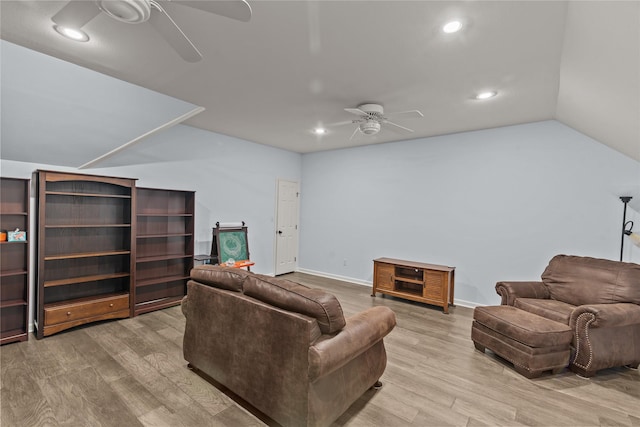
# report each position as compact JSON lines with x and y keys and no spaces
{"x":468,"y":304}
{"x":335,"y":276}
{"x":461,"y":303}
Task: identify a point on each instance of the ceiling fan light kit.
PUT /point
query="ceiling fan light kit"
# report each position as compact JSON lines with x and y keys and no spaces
{"x":129,"y":11}
{"x":370,"y":127}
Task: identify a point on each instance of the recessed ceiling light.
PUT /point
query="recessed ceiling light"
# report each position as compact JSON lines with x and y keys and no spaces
{"x":486,"y":95}
{"x":319,"y":131}
{"x":452,"y":27}
{"x":72,"y":33}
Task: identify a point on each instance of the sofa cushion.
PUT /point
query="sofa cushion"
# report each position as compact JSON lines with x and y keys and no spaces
{"x":549,"y":308}
{"x":315,"y":303}
{"x":220,"y":277}
{"x":583,"y":280}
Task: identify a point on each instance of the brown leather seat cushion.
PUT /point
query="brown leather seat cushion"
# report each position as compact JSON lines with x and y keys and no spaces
{"x":548,"y":308}
{"x":522,"y":326}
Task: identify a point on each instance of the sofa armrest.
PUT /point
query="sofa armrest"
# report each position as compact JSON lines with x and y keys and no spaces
{"x":602,"y":336}
{"x":184,"y":305}
{"x":361,"y":332}
{"x":509,"y":291}
{"x":605,"y":315}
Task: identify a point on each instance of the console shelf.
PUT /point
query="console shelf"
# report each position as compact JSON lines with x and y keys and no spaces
{"x":416,"y":281}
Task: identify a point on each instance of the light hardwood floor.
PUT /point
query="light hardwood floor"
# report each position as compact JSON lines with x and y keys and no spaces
{"x":131,"y":372}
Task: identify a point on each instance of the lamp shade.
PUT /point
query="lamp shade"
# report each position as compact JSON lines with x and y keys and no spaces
{"x":635,"y":239}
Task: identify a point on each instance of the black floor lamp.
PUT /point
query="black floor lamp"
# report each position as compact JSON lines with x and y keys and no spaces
{"x":627,"y":226}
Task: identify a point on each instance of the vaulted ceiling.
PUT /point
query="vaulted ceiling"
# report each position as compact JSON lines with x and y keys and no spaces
{"x":297,"y":65}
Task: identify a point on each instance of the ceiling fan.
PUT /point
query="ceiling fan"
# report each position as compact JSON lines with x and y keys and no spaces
{"x":371,"y":117}
{"x":76,"y":13}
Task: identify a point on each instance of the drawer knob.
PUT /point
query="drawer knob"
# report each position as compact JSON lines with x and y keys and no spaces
{"x":111,"y":305}
{"x":68,"y":313}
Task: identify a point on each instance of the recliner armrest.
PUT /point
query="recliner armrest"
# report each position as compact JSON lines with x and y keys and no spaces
{"x":606,"y":315}
{"x":509,"y":291}
{"x":361,"y":332}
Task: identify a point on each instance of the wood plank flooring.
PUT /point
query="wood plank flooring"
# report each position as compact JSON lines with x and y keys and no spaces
{"x":131,"y":373}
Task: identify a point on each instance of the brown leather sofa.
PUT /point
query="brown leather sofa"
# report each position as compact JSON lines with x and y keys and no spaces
{"x":600,"y":301}
{"x":283,"y":347}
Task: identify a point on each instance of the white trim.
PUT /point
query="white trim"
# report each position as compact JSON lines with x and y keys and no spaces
{"x":337,"y":277}
{"x":467,"y":304}
{"x":167,"y":125}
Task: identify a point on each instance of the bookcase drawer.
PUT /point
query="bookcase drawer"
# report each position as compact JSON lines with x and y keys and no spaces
{"x":83,"y":309}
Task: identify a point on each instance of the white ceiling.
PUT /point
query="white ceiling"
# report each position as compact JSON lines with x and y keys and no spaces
{"x":298,"y":64}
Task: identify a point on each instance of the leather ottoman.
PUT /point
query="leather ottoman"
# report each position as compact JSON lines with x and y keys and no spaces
{"x":533,"y":344}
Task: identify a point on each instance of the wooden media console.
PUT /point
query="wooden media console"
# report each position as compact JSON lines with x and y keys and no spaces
{"x":416,"y":281}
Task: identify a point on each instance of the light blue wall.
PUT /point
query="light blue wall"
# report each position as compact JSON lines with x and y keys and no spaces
{"x":234,"y":180}
{"x":496,"y":204}
{"x":53,"y":103}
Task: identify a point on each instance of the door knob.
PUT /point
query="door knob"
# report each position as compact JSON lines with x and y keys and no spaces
{"x":279,"y":231}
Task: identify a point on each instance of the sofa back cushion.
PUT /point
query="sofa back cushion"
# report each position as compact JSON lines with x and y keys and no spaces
{"x":315,"y":303}
{"x":220,"y":277}
{"x":583,"y":280}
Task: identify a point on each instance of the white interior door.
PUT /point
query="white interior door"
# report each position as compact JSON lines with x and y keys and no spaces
{"x":287,"y":206}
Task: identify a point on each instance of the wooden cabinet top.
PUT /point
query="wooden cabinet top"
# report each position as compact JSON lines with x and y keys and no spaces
{"x":413,"y":264}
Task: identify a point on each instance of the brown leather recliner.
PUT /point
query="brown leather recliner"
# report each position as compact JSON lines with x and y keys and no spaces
{"x":281,"y":346}
{"x":600,"y":301}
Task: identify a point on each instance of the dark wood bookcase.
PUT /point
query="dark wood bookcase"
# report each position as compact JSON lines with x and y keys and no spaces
{"x":14,"y":261}
{"x":164,"y":247}
{"x":86,"y":249}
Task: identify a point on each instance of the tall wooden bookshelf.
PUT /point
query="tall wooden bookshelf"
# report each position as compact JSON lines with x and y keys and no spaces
{"x":86,"y":249}
{"x":14,"y":261}
{"x":164,"y":247}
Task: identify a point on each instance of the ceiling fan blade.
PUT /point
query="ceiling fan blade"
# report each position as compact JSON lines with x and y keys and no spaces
{"x":398,"y":126}
{"x":234,"y":9}
{"x":356,"y":111}
{"x":334,"y":124}
{"x":169,"y":30}
{"x":354,"y":132}
{"x":415,"y":113}
{"x":76,"y":14}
